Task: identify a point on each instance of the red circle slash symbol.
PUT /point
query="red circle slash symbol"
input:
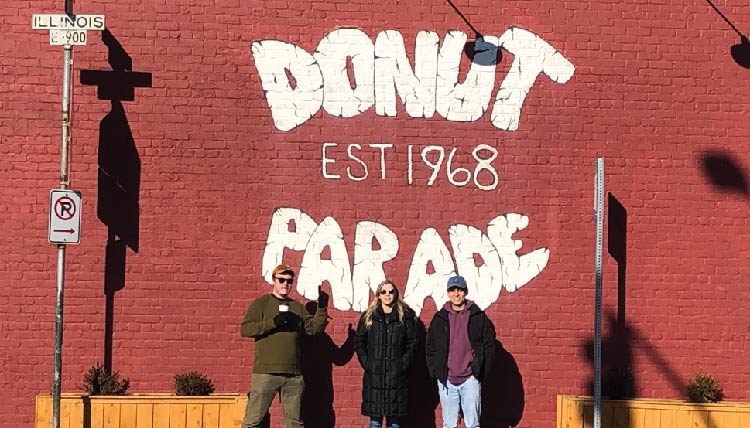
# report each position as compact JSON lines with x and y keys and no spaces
{"x":65,"y":208}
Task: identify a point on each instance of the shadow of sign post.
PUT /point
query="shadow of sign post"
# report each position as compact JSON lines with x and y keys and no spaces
{"x":119,"y":172}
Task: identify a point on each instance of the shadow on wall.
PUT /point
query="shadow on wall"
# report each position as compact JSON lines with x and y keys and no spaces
{"x":618,"y":373}
{"x":423,"y":394}
{"x":320,"y":354}
{"x":741,"y":51}
{"x":503,"y":396}
{"x":617,"y":245}
{"x":471,"y":48}
{"x":619,"y":381}
{"x":119,"y":175}
{"x":724,"y":172}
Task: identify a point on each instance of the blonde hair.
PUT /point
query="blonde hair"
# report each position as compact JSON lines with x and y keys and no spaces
{"x":399,"y":305}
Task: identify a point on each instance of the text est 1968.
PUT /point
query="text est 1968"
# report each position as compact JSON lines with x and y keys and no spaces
{"x":480,"y":172}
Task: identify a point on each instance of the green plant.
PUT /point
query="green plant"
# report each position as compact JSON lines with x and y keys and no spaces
{"x":703,"y":388}
{"x":101,"y":381}
{"x":192,"y":383}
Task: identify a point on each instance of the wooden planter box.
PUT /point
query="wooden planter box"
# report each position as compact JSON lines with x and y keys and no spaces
{"x":143,"y":411}
{"x":578,"y":412}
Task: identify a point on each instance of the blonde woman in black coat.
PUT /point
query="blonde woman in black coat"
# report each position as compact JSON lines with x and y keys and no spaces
{"x":385,"y":342}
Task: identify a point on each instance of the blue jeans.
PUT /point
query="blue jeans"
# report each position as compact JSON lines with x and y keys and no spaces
{"x":467,"y":397}
{"x":390,"y":422}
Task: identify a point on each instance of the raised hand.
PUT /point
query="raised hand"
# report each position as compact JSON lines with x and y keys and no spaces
{"x":322,"y":298}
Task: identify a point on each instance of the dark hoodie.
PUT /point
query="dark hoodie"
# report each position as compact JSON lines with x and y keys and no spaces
{"x":481,"y":334}
{"x":460,"y":354}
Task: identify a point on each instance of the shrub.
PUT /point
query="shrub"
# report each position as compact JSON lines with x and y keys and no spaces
{"x":100,"y":381}
{"x":703,"y":388}
{"x":192,"y":383}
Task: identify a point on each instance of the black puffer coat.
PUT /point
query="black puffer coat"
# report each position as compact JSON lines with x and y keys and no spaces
{"x":386,"y":352}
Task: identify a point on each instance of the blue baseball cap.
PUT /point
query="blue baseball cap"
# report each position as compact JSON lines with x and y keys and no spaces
{"x":457,"y":281}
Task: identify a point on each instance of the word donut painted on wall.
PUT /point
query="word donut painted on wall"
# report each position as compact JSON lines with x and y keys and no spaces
{"x":501,"y":268}
{"x":381,"y":70}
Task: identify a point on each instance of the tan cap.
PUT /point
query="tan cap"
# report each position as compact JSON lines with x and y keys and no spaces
{"x":282,"y":268}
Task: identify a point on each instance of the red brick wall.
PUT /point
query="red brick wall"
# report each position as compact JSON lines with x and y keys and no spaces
{"x":655,"y":92}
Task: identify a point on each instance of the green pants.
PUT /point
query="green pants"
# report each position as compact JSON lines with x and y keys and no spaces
{"x":263,"y":389}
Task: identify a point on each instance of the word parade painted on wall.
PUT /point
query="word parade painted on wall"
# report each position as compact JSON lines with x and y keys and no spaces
{"x":501,"y":267}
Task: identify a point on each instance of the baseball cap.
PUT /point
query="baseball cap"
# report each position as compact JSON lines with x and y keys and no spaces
{"x":283,"y":269}
{"x":457,"y":281}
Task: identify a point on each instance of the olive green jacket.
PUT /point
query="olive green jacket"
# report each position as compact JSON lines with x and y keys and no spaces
{"x":278,"y":350}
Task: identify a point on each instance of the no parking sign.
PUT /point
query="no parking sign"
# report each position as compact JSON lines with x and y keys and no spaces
{"x":64,"y":216}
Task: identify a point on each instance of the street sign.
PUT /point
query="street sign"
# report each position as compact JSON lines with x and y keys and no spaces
{"x":67,"y":30}
{"x":67,"y":37}
{"x":64,"y":216}
{"x":65,"y":22}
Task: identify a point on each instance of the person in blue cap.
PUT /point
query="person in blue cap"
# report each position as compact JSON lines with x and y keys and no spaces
{"x":460,"y":352}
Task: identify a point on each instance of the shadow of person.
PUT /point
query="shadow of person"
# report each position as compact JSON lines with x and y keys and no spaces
{"x":423,"y":394}
{"x":503,"y":396}
{"x":119,"y":174}
{"x":319,"y":355}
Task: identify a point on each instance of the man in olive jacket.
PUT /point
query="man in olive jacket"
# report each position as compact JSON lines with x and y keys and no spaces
{"x":275,"y":321}
{"x":460,"y":352}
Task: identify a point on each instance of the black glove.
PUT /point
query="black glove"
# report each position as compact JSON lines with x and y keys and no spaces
{"x":286,"y":321}
{"x":322,"y":299}
{"x":282,"y":319}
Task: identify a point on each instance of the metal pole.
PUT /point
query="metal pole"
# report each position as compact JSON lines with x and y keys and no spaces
{"x":598,"y":294}
{"x":58,"y":335}
{"x":64,"y":182}
{"x":65,"y":150}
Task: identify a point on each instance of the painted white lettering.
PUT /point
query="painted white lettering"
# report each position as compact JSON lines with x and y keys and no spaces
{"x":453,"y":174}
{"x":358,"y":160}
{"x":458,"y":176}
{"x":333,"y":50}
{"x":467,"y":101}
{"x":488,"y":261}
{"x":382,"y":147}
{"x":280,"y":237}
{"x":409,"y":161}
{"x":382,"y":69}
{"x":431,"y":250}
{"x":517,"y":271}
{"x":435,"y":166}
{"x":290,"y":107}
{"x":337,"y":271}
{"x":328,"y":161}
{"x":393,"y":73}
{"x":368,"y":262}
{"x":485,"y":281}
{"x":325,"y":161}
{"x":532,"y":57}
{"x":485,"y":165}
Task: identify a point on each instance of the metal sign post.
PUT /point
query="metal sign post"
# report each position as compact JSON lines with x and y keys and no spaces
{"x":65,"y":206}
{"x":599,"y":213}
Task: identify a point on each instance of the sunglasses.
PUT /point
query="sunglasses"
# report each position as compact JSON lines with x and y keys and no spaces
{"x":289,"y":281}
{"x":387,"y":292}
